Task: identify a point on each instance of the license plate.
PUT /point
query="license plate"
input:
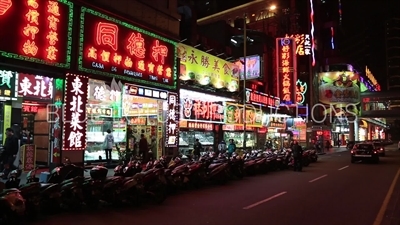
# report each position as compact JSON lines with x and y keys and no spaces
{"x":366,"y":156}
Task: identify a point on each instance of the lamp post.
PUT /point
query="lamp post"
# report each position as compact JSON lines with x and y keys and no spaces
{"x":244,"y":80}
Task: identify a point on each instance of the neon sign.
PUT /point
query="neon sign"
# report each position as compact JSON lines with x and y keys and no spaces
{"x":207,"y":111}
{"x":30,"y":109}
{"x":76,"y":99}
{"x":37,"y":31}
{"x":371,"y":77}
{"x":286,"y":69}
{"x":8,"y":85}
{"x":258,"y":98}
{"x":301,"y":89}
{"x":35,"y":86}
{"x":234,"y":115}
{"x":303,"y":43}
{"x":312,"y":32}
{"x":114,"y":48}
{"x":172,"y":128}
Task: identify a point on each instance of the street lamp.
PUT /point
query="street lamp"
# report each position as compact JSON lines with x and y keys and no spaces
{"x":272,"y":7}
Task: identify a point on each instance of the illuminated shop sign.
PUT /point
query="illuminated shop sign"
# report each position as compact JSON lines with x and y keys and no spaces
{"x":38,"y":31}
{"x":234,"y":115}
{"x":93,"y":110}
{"x":207,"y":69}
{"x":135,"y":90}
{"x":303,"y":43}
{"x":35,"y":86}
{"x":26,"y":108}
{"x":102,"y":93}
{"x":258,"y":98}
{"x":172,"y":127}
{"x":301,"y":90}
{"x":371,"y":77}
{"x":253,"y":67}
{"x":340,"y":87}
{"x":196,"y":125}
{"x":286,"y":70}
{"x":76,"y":98}
{"x":198,"y":110}
{"x":8,"y":85}
{"x":114,"y":48}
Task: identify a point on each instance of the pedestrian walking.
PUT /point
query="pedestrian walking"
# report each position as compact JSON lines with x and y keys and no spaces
{"x":297,"y":152}
{"x":108,"y":145}
{"x":10,"y":152}
{"x":197,"y":148}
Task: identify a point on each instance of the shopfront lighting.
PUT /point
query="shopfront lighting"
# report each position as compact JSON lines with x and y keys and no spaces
{"x":277,"y":115}
{"x":272,"y":7}
{"x":202,"y":96}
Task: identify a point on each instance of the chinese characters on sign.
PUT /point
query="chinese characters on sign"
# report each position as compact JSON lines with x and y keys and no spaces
{"x":37,"y":31}
{"x":202,"y":126}
{"x":257,"y":98}
{"x":116,"y":48}
{"x":92,"y":110}
{"x":303,"y":43}
{"x":286,"y":70}
{"x":253,"y":67}
{"x":197,"y":110}
{"x":172,"y":128}
{"x":8,"y":85}
{"x":301,"y":89}
{"x":207,"y":69}
{"x":35,"y":86}
{"x":30,"y":108}
{"x":75,"y":112}
{"x":234,"y":115}
{"x":28,"y":157}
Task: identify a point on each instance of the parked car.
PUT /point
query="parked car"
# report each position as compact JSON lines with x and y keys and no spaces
{"x":365,"y":151}
{"x":380,"y":147}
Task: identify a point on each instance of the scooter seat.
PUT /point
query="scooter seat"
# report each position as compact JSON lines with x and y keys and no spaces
{"x":212,"y":166}
{"x":8,"y":191}
{"x":44,"y":185}
{"x":31,"y":187}
{"x":72,"y":180}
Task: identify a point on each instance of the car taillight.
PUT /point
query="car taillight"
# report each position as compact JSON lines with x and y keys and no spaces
{"x":381,"y":149}
{"x":375,"y":152}
{"x":352,"y":152}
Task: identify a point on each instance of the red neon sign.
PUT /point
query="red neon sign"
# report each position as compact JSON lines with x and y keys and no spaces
{"x":286,"y":64}
{"x":114,"y":49}
{"x":37,"y":31}
{"x":197,"y":110}
{"x":262,"y":99}
{"x":30,"y":108}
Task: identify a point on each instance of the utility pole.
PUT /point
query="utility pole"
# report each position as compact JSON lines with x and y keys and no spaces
{"x":244,"y":79}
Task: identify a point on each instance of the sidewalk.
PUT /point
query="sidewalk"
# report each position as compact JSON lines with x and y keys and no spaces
{"x":333,"y":150}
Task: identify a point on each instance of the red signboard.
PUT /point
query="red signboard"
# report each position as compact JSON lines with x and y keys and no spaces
{"x":201,"y":126}
{"x":286,"y":70}
{"x":30,"y":108}
{"x":35,"y":86}
{"x":37,"y":31}
{"x":172,"y":120}
{"x":111,"y":47}
{"x":197,"y":110}
{"x":74,"y":124}
{"x":258,"y":98}
{"x":28,"y":157}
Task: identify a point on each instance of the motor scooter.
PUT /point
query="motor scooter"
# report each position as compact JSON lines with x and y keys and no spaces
{"x":12,"y":205}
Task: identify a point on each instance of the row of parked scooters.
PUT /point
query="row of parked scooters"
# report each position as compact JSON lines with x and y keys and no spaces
{"x":132,"y":184}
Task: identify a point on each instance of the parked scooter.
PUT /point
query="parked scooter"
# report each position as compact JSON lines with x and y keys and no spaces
{"x":12,"y":205}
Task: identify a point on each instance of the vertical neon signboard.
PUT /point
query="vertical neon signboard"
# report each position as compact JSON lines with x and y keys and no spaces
{"x":312,"y":32}
{"x":286,"y":70}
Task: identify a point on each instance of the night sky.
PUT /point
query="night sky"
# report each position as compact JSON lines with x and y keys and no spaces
{"x":369,"y":16}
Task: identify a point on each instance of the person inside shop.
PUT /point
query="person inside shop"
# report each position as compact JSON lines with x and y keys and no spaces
{"x":143,"y":148}
{"x":197,"y":148}
{"x":153,"y":149}
{"x":231,"y":147}
{"x":9,"y":153}
{"x":297,"y":152}
{"x":26,"y":137}
{"x":108,"y":145}
{"x":222,"y":147}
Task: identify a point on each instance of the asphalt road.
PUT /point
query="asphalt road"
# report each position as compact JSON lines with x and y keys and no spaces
{"x":330,"y":192}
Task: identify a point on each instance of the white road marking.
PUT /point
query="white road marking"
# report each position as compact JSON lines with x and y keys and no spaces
{"x":344,"y":167}
{"x":264,"y":201}
{"x":318,"y":178}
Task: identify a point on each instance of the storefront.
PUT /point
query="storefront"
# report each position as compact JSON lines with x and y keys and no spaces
{"x":298,"y":127}
{"x":35,"y":53}
{"x":131,"y":89}
{"x":202,"y":117}
{"x":277,"y":137}
{"x":235,"y":129}
{"x":207,"y":83}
